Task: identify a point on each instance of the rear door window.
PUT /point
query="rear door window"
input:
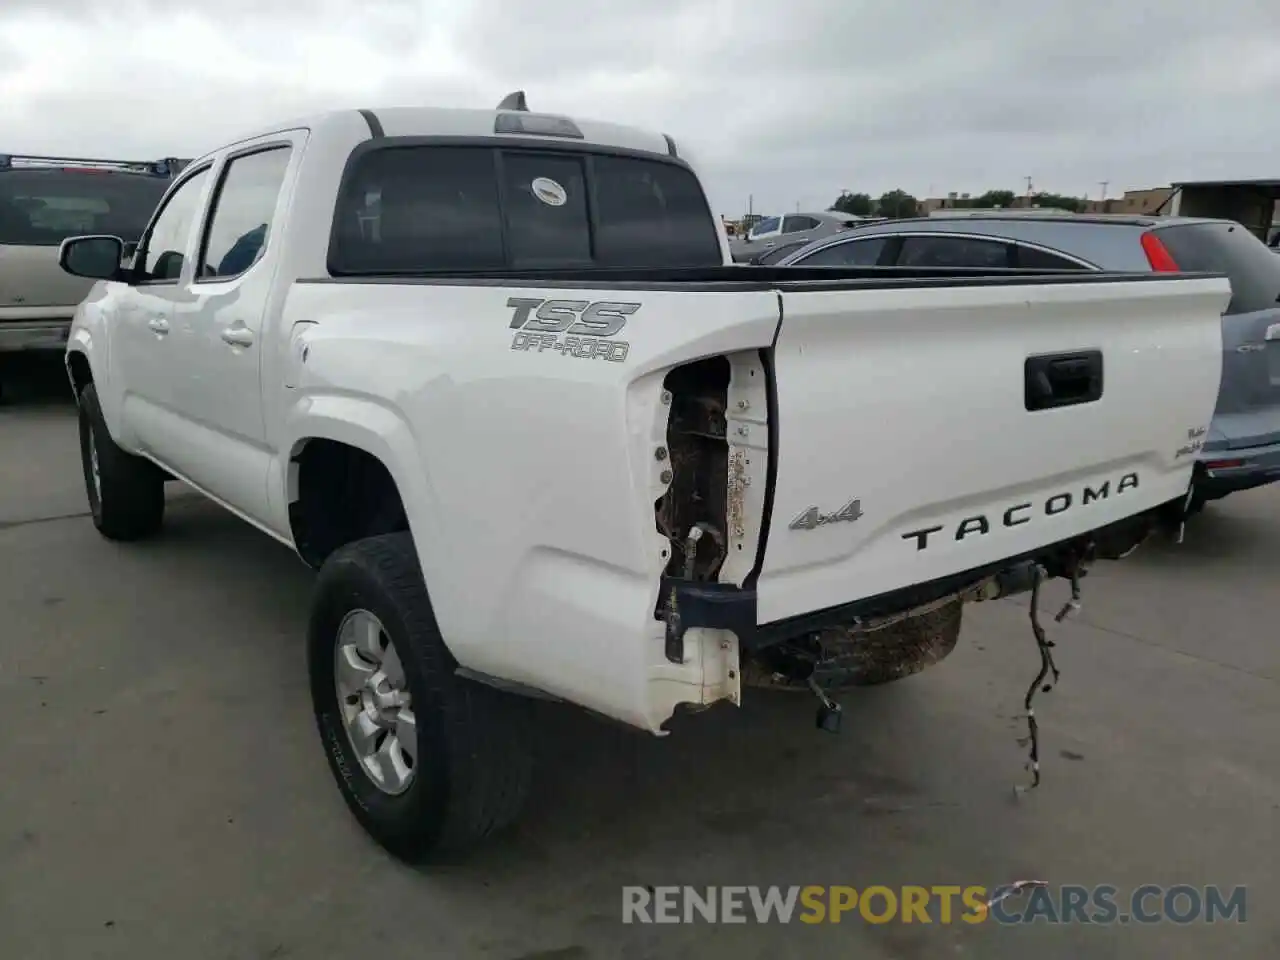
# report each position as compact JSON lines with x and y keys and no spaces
{"x":243,"y":209}
{"x":1033,"y":258}
{"x":1231,"y":249}
{"x":950,"y":251}
{"x":851,"y":253}
{"x":434,"y":209}
{"x":42,"y":207}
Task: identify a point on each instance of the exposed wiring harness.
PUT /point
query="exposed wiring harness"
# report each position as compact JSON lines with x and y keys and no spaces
{"x":1047,"y":667}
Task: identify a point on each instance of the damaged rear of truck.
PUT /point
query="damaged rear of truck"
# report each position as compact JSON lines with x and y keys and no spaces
{"x":930,"y":443}
{"x":645,"y":495}
{"x":640,"y":480}
{"x":493,"y":376}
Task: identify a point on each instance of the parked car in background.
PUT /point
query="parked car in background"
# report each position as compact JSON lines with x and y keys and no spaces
{"x":44,"y":200}
{"x":1242,"y":447}
{"x":772,"y":232}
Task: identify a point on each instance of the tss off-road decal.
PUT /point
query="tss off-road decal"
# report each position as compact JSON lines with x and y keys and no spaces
{"x":572,"y":328}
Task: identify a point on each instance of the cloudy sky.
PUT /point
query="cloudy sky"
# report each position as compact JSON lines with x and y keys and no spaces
{"x":787,"y":101}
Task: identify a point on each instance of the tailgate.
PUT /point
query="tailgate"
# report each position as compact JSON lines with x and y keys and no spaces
{"x":914,"y":402}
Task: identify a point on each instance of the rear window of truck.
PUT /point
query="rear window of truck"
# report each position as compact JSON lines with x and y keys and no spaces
{"x":1231,"y":249}
{"x":42,"y":208}
{"x":441,"y":209}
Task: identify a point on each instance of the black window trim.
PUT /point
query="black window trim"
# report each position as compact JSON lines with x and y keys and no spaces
{"x":211,"y":207}
{"x":498,"y":146}
{"x":140,"y":254}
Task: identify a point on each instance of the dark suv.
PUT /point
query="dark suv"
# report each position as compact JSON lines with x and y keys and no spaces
{"x":1242,"y":448}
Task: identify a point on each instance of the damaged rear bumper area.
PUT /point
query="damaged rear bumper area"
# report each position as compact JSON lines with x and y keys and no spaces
{"x":720,"y":471}
{"x":686,"y":605}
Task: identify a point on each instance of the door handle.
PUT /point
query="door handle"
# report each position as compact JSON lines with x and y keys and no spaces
{"x":238,"y":336}
{"x":158,"y":325}
{"x":1062,"y":379}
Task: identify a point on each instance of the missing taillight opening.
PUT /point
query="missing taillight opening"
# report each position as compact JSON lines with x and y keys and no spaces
{"x":692,"y":513}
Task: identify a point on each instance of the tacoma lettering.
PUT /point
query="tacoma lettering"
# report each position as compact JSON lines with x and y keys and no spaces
{"x":1020,"y":513}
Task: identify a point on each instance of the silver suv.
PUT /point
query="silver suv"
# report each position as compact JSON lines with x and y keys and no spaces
{"x":1242,"y":447}
{"x":44,"y":200}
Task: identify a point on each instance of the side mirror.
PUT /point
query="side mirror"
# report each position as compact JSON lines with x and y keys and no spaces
{"x":97,"y":257}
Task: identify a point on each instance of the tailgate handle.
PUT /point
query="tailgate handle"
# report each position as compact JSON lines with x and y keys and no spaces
{"x":1063,"y":379}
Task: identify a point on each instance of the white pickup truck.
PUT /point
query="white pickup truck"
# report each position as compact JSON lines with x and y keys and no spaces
{"x":492,"y":373}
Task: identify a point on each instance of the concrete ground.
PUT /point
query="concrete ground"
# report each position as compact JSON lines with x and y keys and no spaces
{"x":163,"y":794}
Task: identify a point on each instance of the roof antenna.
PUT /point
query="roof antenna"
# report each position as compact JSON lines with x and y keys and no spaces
{"x":514,"y":101}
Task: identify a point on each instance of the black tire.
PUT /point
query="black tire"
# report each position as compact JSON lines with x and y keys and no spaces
{"x":130,"y":504}
{"x":474,"y":764}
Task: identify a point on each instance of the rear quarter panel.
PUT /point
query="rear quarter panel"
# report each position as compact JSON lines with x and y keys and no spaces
{"x":528,"y":474}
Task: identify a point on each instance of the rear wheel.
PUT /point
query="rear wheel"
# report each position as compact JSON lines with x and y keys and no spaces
{"x":428,"y":762}
{"x":126,"y":493}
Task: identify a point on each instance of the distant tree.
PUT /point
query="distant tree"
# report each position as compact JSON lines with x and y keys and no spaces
{"x":897,"y":204}
{"x":995,"y":198}
{"x":858,"y":204}
{"x":1057,"y":201}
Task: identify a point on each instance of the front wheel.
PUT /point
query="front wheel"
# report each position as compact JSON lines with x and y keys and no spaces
{"x":126,"y":493}
{"x":428,"y":762}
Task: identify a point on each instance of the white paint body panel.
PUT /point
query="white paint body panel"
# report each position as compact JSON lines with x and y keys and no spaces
{"x":529,"y":477}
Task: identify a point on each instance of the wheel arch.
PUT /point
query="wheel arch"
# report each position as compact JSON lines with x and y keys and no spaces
{"x":79,"y":368}
{"x":350,"y":475}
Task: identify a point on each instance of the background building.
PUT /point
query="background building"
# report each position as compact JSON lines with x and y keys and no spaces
{"x":1135,"y":202}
